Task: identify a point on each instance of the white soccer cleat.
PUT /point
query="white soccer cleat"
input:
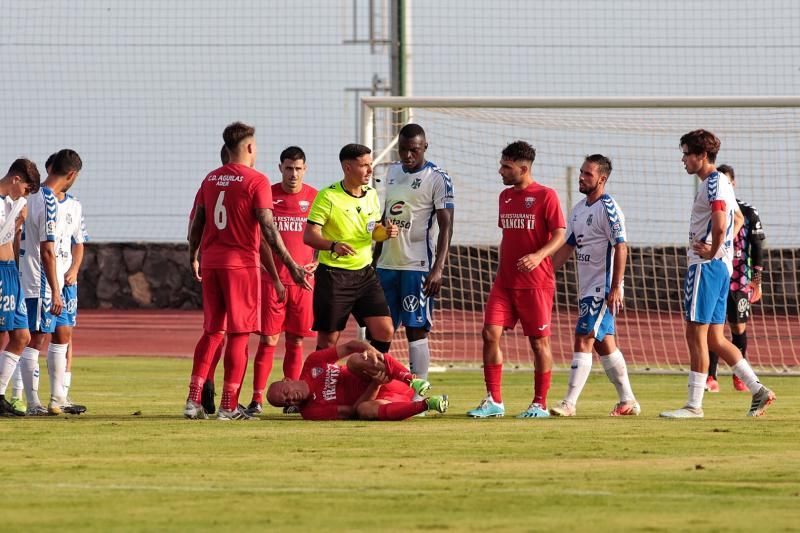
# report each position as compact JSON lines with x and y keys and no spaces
{"x":194,"y":411}
{"x":683,"y":412}
{"x":563,"y":408}
{"x":626,"y":409}
{"x":761,"y":401}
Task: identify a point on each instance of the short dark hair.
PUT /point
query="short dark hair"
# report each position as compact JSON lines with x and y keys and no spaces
{"x":26,"y":170}
{"x":519,"y":151}
{"x":603,"y":163}
{"x":353,"y":151}
{"x":727,"y":169}
{"x":699,"y":141}
{"x":293,"y":153}
{"x":235,"y":133}
{"x":224,"y":155}
{"x":66,"y":161}
{"x":409,"y":131}
{"x":49,"y":162}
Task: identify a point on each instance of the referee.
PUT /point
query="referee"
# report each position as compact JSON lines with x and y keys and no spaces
{"x":343,"y":221}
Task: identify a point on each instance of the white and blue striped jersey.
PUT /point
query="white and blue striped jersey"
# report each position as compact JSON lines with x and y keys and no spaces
{"x":594,"y":229}
{"x":716,"y":187}
{"x":74,"y":232}
{"x":411,"y":203}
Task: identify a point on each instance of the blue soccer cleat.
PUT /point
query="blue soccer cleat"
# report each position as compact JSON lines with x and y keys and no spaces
{"x":487,"y":409}
{"x":535,"y":410}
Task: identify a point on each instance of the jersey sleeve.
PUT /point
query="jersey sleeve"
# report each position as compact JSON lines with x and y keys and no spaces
{"x":327,"y":411}
{"x":321,"y":357}
{"x":616,"y":221}
{"x":47,"y":218}
{"x":443,"y":194}
{"x":755,"y":237}
{"x":321,"y":209}
{"x":198,"y":199}
{"x":553,"y":213}
{"x":377,"y":212}
{"x":79,"y":234}
{"x":571,"y":232}
{"x":262,"y":193}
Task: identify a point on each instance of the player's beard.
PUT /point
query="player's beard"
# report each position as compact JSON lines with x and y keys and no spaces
{"x":584,"y":189}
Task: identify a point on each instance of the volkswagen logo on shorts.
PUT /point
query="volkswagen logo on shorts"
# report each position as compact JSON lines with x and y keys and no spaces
{"x":410,"y":303}
{"x":743,"y":305}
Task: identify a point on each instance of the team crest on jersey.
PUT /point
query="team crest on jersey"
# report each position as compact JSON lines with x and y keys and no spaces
{"x":50,"y":227}
{"x":316,"y":372}
{"x":69,"y":219}
{"x":416,"y":183}
{"x":371,"y":226}
{"x":589,"y":220}
{"x":303,"y":205}
{"x":529,"y":201}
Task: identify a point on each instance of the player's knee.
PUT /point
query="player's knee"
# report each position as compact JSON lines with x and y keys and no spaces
{"x":21,"y":337}
{"x":491,"y":334}
{"x":416,"y":334}
{"x":291,"y":338}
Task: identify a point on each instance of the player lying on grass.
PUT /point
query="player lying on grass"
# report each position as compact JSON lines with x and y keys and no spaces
{"x":371,"y":386}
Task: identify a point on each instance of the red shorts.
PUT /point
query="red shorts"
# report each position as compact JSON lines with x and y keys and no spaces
{"x":395,"y":391}
{"x":532,"y":307}
{"x":231,"y":300}
{"x":295,"y":314}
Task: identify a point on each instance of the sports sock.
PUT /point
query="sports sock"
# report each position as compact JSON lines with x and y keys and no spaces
{"x":401,"y":410}
{"x":744,"y":371}
{"x":395,"y":370}
{"x":235,"y":367}
{"x":262,"y":366}
{"x":419,"y":357}
{"x":56,"y":366}
{"x":293,"y":360}
{"x":740,"y":341}
{"x":617,"y":372}
{"x":203,"y":354}
{"x":493,"y":377}
{"x":578,"y":374}
{"x":17,"y":385}
{"x":8,"y":364}
{"x":29,"y":366}
{"x":697,"y":386}
{"x":67,"y":383}
{"x":541,"y":386}
{"x":713,"y":361}
{"x":212,"y":367}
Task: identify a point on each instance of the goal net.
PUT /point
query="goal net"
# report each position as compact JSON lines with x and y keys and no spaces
{"x":760,"y":139}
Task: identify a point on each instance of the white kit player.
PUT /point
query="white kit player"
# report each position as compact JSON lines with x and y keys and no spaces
{"x":596,"y":232}
{"x":53,"y":221}
{"x":419,"y":199}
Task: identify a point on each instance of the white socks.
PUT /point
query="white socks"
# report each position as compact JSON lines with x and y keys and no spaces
{"x":578,"y":375}
{"x":56,"y":366}
{"x":16,"y":381}
{"x":617,"y":372}
{"x":697,"y":386}
{"x":744,"y":371}
{"x":8,"y":364}
{"x":29,"y":366}
{"x":419,"y":357}
{"x":67,"y":383}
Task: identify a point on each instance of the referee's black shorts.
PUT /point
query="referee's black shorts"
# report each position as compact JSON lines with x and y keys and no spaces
{"x":339,"y":292}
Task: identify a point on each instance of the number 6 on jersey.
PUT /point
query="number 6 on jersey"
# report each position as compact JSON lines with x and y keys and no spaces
{"x":220,"y":214}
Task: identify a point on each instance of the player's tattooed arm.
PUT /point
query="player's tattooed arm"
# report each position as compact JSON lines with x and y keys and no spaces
{"x":267,"y":261}
{"x":273,"y":238}
{"x":444,"y":219}
{"x":195,"y":236}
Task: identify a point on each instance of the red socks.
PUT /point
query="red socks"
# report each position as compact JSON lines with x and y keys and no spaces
{"x":493,"y":377}
{"x":212,"y":369}
{"x":401,"y":410}
{"x":541,"y":386}
{"x":235,"y":367}
{"x":262,"y":366}
{"x":203,"y":354}
{"x":293,"y":361}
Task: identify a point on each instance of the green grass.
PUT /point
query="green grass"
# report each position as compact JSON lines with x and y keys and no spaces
{"x":113,"y":470}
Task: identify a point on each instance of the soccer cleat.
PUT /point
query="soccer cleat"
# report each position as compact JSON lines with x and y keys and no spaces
{"x":207,"y":397}
{"x":54,"y":407}
{"x":240,"y":413}
{"x":17,"y":404}
{"x":420,"y":386}
{"x":254,"y":409}
{"x":712,"y":385}
{"x":487,"y":409}
{"x":534,"y":410}
{"x":37,"y":410}
{"x":194,"y":411}
{"x":563,"y":408}
{"x":683,"y":412}
{"x":73,"y":408}
{"x":6,"y":409}
{"x":738,"y":384}
{"x":291,"y":410}
{"x":761,"y":400}
{"x":626,"y":409}
{"x":438,"y":403}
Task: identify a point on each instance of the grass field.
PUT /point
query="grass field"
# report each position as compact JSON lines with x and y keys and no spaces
{"x":132,"y":463}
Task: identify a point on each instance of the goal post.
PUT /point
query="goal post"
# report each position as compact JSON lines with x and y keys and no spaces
{"x":760,"y":139}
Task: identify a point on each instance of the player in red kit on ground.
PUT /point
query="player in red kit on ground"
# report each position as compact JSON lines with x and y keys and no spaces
{"x":533,"y":229}
{"x":233,"y":213}
{"x":285,"y":306}
{"x":371,"y":386}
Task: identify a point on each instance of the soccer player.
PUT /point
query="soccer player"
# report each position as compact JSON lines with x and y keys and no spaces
{"x":21,"y":179}
{"x":46,"y":258}
{"x":286,"y":307}
{"x":416,"y":190}
{"x":343,"y":221}
{"x":745,"y":288}
{"x":707,"y":280}
{"x":596,"y":228}
{"x":234,"y":202}
{"x":533,"y":230}
{"x":371,"y":386}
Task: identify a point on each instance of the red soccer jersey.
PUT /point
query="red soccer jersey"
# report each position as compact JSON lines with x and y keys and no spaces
{"x":528,"y":218}
{"x":331,"y":385}
{"x":231,"y":234}
{"x":290,"y":212}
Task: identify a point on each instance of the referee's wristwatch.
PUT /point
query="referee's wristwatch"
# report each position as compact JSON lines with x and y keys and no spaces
{"x":333,"y":246}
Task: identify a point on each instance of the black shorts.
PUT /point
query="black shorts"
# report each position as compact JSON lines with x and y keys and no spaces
{"x":738,"y":309}
{"x":339,"y":292}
